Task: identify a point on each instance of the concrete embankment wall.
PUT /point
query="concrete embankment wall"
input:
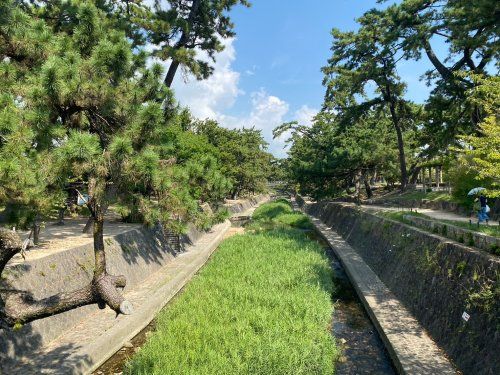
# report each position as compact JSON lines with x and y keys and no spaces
{"x":236,"y":207}
{"x":136,"y":254}
{"x":437,"y":279}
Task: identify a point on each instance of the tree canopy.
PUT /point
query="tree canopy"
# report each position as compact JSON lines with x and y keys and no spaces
{"x":363,"y":91}
{"x":83,"y":109}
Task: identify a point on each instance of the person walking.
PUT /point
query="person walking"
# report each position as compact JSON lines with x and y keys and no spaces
{"x":483,"y":211}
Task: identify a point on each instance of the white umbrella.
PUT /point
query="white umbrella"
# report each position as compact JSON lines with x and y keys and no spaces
{"x":476,"y":190}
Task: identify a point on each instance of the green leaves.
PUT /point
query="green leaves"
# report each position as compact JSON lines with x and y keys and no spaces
{"x":79,"y":107}
{"x":187,"y":26}
{"x":121,"y":147}
{"x":87,"y":32}
{"x":80,"y":146}
{"x":481,"y":152}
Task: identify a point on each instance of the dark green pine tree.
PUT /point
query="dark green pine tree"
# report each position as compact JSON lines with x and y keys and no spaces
{"x":362,"y":58}
{"x":242,"y":154}
{"x":188,"y":25}
{"x":80,"y":106}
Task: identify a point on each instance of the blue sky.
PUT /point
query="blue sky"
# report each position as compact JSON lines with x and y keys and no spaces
{"x":270,"y":73}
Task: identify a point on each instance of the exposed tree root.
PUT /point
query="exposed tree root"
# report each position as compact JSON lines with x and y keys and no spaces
{"x":19,"y":307}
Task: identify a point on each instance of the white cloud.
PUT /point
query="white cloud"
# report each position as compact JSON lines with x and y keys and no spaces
{"x":305,"y":114}
{"x":209,"y":97}
{"x":212,"y":97}
{"x":268,"y":111}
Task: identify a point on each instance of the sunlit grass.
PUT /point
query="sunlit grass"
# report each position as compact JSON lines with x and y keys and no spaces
{"x":278,"y":214}
{"x":491,"y":230}
{"x":262,"y":305}
{"x":417,"y":195}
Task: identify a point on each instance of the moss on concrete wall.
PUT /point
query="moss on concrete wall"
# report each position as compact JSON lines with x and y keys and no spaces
{"x":437,"y":279}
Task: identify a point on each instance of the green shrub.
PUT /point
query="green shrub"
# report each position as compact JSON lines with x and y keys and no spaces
{"x":463,"y":179}
{"x":278,"y":213}
{"x":495,"y":249}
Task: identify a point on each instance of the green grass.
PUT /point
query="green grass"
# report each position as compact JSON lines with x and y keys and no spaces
{"x":262,"y":305}
{"x":417,"y":195}
{"x":278,"y":214}
{"x":490,"y":230}
{"x":399,"y":215}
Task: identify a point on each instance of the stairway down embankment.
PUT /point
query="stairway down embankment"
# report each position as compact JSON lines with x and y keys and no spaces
{"x":451,"y":289}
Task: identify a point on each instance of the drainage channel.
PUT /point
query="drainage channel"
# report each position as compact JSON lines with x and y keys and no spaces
{"x":363,"y":352}
{"x":115,"y":365}
{"x":362,"y":349}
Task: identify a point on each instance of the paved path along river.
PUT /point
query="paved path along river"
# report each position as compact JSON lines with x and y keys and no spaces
{"x":438,"y":215}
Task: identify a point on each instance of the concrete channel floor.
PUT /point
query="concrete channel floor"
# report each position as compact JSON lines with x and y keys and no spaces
{"x":411,"y":348}
{"x":85,"y":347}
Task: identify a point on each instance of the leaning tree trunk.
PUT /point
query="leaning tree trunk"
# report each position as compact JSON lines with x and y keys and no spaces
{"x":183,"y":40}
{"x":19,"y":307}
{"x":88,"y":225}
{"x":106,"y":284}
{"x":172,"y":70}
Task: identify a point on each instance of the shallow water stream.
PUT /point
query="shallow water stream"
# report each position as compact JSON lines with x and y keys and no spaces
{"x":363,"y":352}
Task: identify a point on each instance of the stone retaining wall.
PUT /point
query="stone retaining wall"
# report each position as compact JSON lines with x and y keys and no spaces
{"x":137,"y":254}
{"x":436,"y":278}
{"x":462,"y":235}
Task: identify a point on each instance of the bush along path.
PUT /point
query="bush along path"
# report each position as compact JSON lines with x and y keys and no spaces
{"x":262,"y":305}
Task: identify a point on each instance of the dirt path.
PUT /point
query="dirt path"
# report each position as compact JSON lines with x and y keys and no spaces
{"x":56,"y":238}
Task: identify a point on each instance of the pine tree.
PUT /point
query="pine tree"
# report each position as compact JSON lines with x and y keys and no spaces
{"x":362,"y":58}
{"x":188,"y":25}
{"x":82,"y":107}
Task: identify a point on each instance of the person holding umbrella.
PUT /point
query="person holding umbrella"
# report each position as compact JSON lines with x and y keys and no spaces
{"x":484,"y":208}
{"x":481,"y":204}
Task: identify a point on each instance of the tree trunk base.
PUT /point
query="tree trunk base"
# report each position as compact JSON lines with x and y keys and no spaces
{"x":19,"y":307}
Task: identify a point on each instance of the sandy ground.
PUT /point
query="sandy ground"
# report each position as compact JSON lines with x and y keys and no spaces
{"x":54,"y":238}
{"x":234,"y":231}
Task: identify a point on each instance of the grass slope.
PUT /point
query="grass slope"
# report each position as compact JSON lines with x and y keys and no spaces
{"x":491,"y":230}
{"x":262,"y":305}
{"x":418,"y":195}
